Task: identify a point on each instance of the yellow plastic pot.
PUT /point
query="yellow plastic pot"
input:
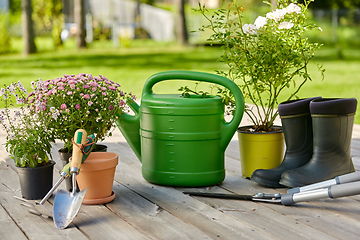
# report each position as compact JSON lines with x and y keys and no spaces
{"x":260,"y":150}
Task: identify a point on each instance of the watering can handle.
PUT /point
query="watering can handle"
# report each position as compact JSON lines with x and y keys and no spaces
{"x":229,"y":127}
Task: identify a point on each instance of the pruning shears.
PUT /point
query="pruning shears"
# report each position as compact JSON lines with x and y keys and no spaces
{"x":341,"y":186}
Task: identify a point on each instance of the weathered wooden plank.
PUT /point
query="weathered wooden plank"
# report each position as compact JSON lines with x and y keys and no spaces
{"x":274,"y":223}
{"x":98,"y":222}
{"x":311,"y":214}
{"x":324,"y":220}
{"x":33,"y":226}
{"x":8,"y":228}
{"x":147,"y":217}
{"x":194,"y":212}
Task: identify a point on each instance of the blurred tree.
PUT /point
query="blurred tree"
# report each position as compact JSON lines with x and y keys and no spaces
{"x":79,"y":13}
{"x":48,"y":13}
{"x":181,"y":30}
{"x":27,"y":27}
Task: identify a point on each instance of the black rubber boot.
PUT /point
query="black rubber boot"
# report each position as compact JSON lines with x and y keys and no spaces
{"x":333,"y":121}
{"x":296,"y":122}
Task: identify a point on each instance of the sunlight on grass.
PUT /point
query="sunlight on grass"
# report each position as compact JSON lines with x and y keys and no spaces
{"x":131,"y":66}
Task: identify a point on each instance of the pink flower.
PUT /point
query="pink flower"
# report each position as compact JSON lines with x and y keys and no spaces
{"x":86,"y":86}
{"x":63,"y":106}
{"x":90,"y":103}
{"x":69,"y":93}
{"x":94,"y":89}
{"x":94,"y":84}
{"x":121,"y":103}
{"x":104,"y":93}
{"x":103,"y":77}
{"x":103,"y":88}
{"x":87,"y":96}
{"x":61,"y":88}
{"x":77,"y":106}
{"x":72,"y":86}
{"x":111,"y":107}
{"x":112,"y":88}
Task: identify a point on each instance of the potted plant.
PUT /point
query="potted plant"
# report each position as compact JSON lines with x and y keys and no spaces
{"x":79,"y":102}
{"x":263,"y":58}
{"x":28,"y":141}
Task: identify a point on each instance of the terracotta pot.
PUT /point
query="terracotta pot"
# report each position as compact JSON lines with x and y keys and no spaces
{"x":263,"y":150}
{"x":36,"y":182}
{"x":97,"y":175}
{"x":65,"y":156}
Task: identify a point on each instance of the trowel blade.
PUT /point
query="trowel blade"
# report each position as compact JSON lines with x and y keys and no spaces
{"x":66,"y":206}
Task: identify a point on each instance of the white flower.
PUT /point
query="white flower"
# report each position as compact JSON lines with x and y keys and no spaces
{"x":249,"y":28}
{"x":12,"y":136}
{"x":318,"y":28}
{"x":260,"y":22}
{"x":285,"y":25}
{"x":293,"y":8}
{"x":276,"y":15}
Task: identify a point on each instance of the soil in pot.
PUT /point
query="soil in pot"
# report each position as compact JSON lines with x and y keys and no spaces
{"x":36,"y":182}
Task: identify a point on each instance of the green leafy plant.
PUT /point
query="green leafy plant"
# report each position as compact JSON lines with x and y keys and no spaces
{"x":28,"y":137}
{"x":263,"y":58}
{"x":79,"y":101}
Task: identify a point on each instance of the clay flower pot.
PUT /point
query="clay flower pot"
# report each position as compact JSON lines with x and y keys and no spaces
{"x":65,"y":157}
{"x":97,"y":175}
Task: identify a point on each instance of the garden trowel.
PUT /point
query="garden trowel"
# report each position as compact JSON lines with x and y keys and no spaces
{"x":44,"y":211}
{"x":67,"y":204}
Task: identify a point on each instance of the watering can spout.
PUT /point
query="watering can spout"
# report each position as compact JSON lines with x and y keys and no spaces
{"x":129,"y":126}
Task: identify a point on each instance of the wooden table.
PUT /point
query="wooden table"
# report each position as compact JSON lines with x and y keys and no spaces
{"x":142,"y":210}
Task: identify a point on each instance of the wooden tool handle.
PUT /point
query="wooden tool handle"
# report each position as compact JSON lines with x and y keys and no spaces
{"x":79,"y":139}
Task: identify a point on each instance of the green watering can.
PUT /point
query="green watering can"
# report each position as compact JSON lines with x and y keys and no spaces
{"x":181,"y":141}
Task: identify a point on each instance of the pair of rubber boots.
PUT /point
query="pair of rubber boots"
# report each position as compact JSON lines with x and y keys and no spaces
{"x":317,"y":135}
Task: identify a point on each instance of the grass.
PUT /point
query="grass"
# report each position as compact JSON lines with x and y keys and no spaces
{"x":133,"y":65}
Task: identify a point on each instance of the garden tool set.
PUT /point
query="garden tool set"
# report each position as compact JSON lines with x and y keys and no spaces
{"x":66,"y":204}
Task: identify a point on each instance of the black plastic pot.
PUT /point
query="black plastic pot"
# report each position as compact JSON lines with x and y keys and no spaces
{"x":36,"y":182}
{"x":65,"y":156}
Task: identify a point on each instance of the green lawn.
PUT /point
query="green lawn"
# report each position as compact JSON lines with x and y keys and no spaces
{"x":132,"y":66}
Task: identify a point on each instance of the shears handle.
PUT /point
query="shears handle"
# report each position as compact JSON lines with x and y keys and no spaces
{"x":346,"y":178}
{"x":334,"y":191}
